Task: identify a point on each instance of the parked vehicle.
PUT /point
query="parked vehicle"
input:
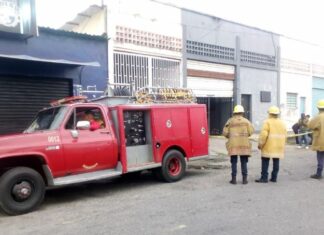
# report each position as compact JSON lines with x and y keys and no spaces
{"x":61,"y":148}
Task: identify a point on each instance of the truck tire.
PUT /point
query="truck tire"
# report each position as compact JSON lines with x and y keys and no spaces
{"x":22,"y":190}
{"x":173,"y":166}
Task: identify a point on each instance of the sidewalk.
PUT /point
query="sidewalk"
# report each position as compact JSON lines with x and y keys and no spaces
{"x":218,"y":158}
{"x":217,"y":145}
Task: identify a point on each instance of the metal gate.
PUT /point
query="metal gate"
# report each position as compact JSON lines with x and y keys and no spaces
{"x":146,"y":71}
{"x":22,"y":97}
{"x":129,"y":68}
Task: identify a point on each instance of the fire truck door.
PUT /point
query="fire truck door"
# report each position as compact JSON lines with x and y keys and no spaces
{"x":93,"y":148}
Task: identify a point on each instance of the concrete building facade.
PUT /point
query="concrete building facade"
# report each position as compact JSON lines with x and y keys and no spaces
{"x":244,"y":65}
{"x":223,"y":62}
{"x":143,"y":48}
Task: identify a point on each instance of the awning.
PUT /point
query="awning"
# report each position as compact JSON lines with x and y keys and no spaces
{"x":60,"y":61}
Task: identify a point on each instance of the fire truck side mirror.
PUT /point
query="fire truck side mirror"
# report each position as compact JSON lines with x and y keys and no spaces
{"x":83,"y":125}
{"x":75,"y":134}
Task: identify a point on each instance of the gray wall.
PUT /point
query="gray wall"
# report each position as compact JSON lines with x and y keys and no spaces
{"x":252,"y":82}
{"x":255,"y":56}
{"x":213,"y":30}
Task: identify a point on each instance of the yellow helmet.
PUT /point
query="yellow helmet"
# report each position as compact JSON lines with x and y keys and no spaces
{"x":274,"y":110}
{"x":238,"y":109}
{"x":320,"y":104}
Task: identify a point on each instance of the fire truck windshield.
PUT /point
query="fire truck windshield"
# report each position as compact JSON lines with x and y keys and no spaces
{"x":49,"y":119}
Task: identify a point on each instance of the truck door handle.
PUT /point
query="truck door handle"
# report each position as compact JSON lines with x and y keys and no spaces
{"x":104,"y":132}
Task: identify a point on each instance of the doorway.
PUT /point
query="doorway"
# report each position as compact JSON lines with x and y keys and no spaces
{"x":246,"y":103}
{"x":219,"y":110}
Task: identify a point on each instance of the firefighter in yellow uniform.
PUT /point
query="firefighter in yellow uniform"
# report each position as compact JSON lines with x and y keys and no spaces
{"x":272,"y":142}
{"x":237,"y":130}
{"x":316,"y":124}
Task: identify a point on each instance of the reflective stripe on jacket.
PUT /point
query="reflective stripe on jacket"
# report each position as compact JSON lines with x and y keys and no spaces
{"x":272,"y":138}
{"x":238,"y":129}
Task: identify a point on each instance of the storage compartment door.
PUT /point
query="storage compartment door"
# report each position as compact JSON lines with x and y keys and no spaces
{"x":199,"y":131}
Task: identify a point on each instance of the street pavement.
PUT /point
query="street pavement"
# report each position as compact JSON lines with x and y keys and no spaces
{"x":203,"y":202}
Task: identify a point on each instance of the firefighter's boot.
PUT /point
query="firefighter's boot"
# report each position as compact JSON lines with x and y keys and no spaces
{"x":233,"y":181}
{"x":245,"y":181}
{"x":261,"y":180}
{"x":318,"y":175}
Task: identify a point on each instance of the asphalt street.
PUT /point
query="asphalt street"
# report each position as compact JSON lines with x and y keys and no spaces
{"x":202,"y":203}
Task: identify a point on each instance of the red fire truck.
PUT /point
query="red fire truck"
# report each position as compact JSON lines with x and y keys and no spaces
{"x":61,"y":147}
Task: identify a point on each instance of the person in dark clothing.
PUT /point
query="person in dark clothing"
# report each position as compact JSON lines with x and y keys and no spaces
{"x":295,"y":129}
{"x":303,"y":139}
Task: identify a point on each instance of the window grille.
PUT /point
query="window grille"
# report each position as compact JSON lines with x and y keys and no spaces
{"x":295,"y":66}
{"x":165,"y":73}
{"x":128,"y":68}
{"x":291,"y":100}
{"x":147,"y":39}
{"x":210,"y":50}
{"x":146,"y":71}
{"x":250,"y":57}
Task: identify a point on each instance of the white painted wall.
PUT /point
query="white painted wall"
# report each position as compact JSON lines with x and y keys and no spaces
{"x":147,"y":16}
{"x":296,"y":50}
{"x":293,"y":80}
{"x":94,"y":25}
{"x":295,"y":83}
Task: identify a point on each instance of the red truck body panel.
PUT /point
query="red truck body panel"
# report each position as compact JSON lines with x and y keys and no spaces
{"x":35,"y":144}
{"x":182,"y":126}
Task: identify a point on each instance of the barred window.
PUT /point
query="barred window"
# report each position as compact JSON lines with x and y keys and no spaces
{"x":128,"y":68}
{"x":165,"y":73}
{"x":292,"y":100}
{"x":146,"y":71}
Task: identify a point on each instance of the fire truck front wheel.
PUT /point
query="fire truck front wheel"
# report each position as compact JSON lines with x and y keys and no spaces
{"x":173,"y":166}
{"x":22,"y":190}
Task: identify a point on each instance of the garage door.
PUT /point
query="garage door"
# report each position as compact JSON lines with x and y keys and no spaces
{"x":21,"y":99}
{"x":210,"y":79}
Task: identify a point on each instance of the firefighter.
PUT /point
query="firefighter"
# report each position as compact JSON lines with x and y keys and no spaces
{"x":272,"y":140}
{"x":237,"y":130}
{"x":316,"y":124}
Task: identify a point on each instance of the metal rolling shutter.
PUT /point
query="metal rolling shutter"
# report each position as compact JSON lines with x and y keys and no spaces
{"x":210,"y":79}
{"x":21,"y":98}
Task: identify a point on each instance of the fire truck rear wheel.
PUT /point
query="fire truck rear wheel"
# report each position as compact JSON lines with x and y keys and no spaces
{"x":173,"y":166}
{"x":22,"y":190}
